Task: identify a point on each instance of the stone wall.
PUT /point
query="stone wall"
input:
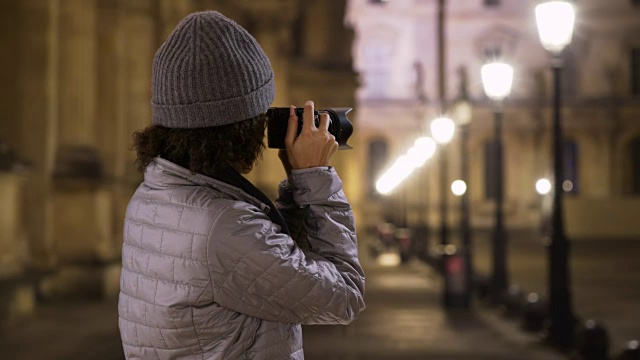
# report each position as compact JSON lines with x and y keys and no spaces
{"x":78,"y":84}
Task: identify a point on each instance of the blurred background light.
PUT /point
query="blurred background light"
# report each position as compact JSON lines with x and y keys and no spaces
{"x":422,"y":150}
{"x":497,"y":78}
{"x":458,"y":187}
{"x":543,"y":186}
{"x":555,"y":20}
{"x":442,"y":130}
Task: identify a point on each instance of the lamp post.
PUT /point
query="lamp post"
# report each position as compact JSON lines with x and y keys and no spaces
{"x":442,"y":130}
{"x":497,"y":78}
{"x":555,"y":20}
{"x":462,"y":112}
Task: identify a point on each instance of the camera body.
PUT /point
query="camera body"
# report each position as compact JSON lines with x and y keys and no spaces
{"x":278,"y":121}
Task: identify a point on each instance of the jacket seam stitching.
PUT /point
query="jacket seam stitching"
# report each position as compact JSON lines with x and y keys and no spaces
{"x":190,"y":286}
{"x":157,"y":201}
{"x":269,"y":346}
{"x":165,"y":227}
{"x":230,"y":272}
{"x":141,"y":300}
{"x":208,"y":236}
{"x":209,"y":270}
{"x":265,"y":271}
{"x":165,"y":255}
{"x":156,"y":348}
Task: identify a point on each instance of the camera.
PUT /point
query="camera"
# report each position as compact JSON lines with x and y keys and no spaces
{"x":278,"y":120}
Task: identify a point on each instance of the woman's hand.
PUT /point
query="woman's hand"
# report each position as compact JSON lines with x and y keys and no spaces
{"x":315,"y":146}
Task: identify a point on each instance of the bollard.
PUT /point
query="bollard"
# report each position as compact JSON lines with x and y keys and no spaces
{"x":514,"y":301}
{"x":419,"y":241}
{"x":631,"y":351}
{"x":402,"y":237}
{"x":535,"y":313}
{"x":456,"y":287}
{"x":384,"y":249}
{"x":386,"y":231}
{"x":592,"y":341}
{"x":482,"y":286}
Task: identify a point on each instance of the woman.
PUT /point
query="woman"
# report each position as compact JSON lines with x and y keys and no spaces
{"x":211,"y":269}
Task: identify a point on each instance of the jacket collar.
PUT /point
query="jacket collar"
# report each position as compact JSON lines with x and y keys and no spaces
{"x":162,"y":174}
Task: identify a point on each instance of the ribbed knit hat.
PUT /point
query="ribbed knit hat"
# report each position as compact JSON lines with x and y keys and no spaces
{"x":210,"y":72}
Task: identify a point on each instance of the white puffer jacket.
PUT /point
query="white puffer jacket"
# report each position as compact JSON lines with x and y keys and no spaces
{"x":207,"y":275}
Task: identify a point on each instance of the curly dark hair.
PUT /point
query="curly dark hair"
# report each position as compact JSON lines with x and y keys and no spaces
{"x":204,"y":150}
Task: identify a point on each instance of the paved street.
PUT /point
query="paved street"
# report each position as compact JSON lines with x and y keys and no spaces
{"x":403,"y":320}
{"x":64,"y":332}
{"x":605,"y":276}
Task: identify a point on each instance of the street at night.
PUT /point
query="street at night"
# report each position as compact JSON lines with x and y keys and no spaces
{"x":404,"y":318}
{"x":605,"y":278}
{"x":399,"y":179}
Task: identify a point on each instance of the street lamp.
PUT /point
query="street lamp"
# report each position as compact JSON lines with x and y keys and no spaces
{"x":462,"y":112}
{"x":555,"y":21}
{"x":442,"y":130}
{"x":497,"y":78}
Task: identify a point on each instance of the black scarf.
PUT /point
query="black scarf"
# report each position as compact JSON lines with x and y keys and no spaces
{"x":232,"y":177}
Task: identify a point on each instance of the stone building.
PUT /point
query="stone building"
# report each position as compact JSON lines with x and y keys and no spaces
{"x":395,"y":54}
{"x":76,"y":80}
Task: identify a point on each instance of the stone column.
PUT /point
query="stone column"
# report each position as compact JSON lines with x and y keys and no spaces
{"x":38,"y":121}
{"x":17,"y":295}
{"x":110,"y":89}
{"x":326,"y":40}
{"x":78,"y":166}
{"x":113,"y":141}
{"x":22,"y":82}
{"x":137,"y":44}
{"x":325,"y":74}
{"x":81,"y":203}
{"x":10,"y":42}
{"x":139,"y":33}
{"x":170,"y":13}
{"x":77,"y":71}
{"x":270,"y":23}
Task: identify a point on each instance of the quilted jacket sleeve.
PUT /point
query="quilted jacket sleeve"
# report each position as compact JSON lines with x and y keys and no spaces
{"x":293,"y":214}
{"x":258,"y":271}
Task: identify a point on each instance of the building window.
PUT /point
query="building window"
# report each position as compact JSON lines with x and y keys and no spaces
{"x":491,"y":3}
{"x":377,"y":57}
{"x":571,"y":183}
{"x":497,"y":43}
{"x":377,"y":84}
{"x":377,"y":158}
{"x":635,"y":71}
{"x":490,"y":168}
{"x":635,"y":166}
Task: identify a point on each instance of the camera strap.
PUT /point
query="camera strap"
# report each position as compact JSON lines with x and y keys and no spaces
{"x":234,"y":178}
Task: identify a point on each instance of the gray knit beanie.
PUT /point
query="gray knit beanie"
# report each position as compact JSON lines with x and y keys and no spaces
{"x":210,"y":72}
